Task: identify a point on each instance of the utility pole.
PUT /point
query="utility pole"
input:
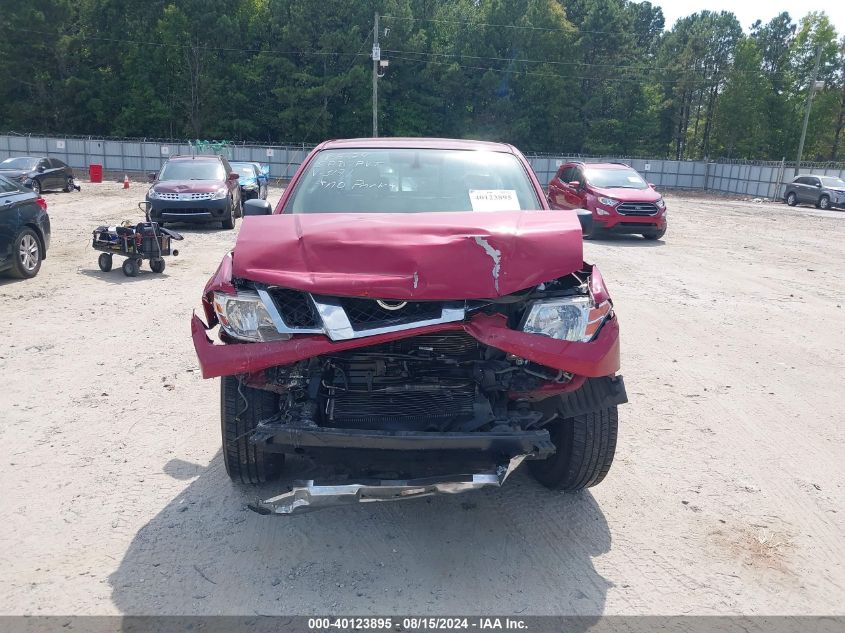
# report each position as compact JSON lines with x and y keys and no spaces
{"x":376,"y":59}
{"x":810,"y":92}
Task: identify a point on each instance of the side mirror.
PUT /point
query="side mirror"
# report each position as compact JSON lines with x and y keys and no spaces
{"x":234,"y":176}
{"x":257,"y":207}
{"x":652,"y":185}
{"x":575,"y":184}
{"x":585,"y":217}
{"x":152,"y":176}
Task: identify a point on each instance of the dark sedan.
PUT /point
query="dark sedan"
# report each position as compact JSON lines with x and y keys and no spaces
{"x":39,"y":173}
{"x":24,"y":230}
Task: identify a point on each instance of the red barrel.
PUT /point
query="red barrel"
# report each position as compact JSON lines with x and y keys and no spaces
{"x":95,"y":173}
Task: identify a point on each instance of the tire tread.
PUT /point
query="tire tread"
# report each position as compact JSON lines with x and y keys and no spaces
{"x":586,"y":444}
{"x":245,"y":462}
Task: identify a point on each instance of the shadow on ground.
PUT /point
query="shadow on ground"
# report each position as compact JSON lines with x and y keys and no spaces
{"x":626,"y":240}
{"x":518,"y":550}
{"x":7,"y":280}
{"x":116,"y":276}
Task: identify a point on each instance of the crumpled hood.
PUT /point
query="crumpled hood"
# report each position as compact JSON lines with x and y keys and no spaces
{"x":422,"y":256}
{"x":188,"y":186}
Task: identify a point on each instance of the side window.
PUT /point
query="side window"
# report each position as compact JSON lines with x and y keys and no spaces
{"x":43,"y":164}
{"x":58,"y":163}
{"x":815,"y":182}
{"x":578,"y":174}
{"x":7,"y":186}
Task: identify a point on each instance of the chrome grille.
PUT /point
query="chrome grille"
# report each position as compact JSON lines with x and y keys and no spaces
{"x":637,"y":208}
{"x":365,"y":314}
{"x":342,"y":318}
{"x":184,"y":196}
{"x":295,"y":308}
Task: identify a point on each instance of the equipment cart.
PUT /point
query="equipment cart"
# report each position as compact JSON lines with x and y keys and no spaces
{"x":145,"y":240}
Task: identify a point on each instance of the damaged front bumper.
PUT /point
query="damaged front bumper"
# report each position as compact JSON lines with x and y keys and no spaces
{"x":599,"y":357}
{"x":308,"y":495}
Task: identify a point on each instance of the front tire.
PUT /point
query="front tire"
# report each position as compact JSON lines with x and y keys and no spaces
{"x":229,"y":222}
{"x":157,"y":265}
{"x":68,"y":184}
{"x":654,"y":235}
{"x":240,"y":413}
{"x":824,"y":203}
{"x":36,"y":187}
{"x":585,"y":447}
{"x":791,"y":199}
{"x":27,"y":254}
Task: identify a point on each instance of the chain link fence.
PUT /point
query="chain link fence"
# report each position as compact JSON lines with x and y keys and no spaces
{"x":756,"y":179}
{"x":134,"y":156}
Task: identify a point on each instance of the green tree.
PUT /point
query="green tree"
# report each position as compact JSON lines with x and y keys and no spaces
{"x":740,"y":129}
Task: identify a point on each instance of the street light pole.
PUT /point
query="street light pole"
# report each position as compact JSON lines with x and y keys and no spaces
{"x":810,"y":92}
{"x":376,"y":59}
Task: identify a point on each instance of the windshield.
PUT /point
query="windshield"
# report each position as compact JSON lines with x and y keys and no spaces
{"x":832,"y":181}
{"x":21,"y":162}
{"x":412,"y":181}
{"x":605,"y":178}
{"x":247,"y":171}
{"x":192,"y":170}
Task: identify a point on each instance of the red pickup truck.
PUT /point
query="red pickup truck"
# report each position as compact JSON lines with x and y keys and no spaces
{"x":415,"y":316}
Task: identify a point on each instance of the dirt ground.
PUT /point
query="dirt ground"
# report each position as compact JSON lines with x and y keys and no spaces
{"x":726,"y":496}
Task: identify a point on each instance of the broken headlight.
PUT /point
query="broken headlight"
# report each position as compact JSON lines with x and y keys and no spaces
{"x":244,"y":316}
{"x":567,"y":319}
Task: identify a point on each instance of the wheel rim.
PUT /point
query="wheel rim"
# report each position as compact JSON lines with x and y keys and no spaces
{"x":823,"y":203}
{"x":791,"y":199}
{"x":36,"y":186}
{"x":29,"y":252}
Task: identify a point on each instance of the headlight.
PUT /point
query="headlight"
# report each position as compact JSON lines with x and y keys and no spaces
{"x":250,"y":186}
{"x":566,"y":319}
{"x":661,"y":204}
{"x":220,"y":194}
{"x":608,"y":202}
{"x":151,"y":194}
{"x":243,"y":316}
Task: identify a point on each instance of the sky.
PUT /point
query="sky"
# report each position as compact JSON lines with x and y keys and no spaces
{"x":747,"y":11}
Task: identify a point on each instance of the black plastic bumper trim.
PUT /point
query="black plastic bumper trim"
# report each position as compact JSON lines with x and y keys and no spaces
{"x":536,"y":443}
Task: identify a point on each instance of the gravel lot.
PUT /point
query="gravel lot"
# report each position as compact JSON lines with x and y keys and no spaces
{"x":726,"y":496}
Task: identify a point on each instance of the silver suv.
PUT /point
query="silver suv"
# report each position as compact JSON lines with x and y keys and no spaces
{"x":823,"y":191}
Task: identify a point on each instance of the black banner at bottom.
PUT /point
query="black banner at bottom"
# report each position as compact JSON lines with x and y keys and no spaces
{"x":411,"y":623}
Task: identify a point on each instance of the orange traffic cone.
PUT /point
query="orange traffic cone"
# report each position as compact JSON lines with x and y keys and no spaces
{"x":125,"y":181}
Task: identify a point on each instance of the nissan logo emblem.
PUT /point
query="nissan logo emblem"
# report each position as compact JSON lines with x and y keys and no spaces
{"x":391,"y":305}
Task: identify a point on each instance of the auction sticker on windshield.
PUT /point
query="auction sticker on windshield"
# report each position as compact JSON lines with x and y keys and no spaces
{"x":493,"y":200}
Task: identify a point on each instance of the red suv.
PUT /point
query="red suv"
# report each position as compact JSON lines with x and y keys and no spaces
{"x":196,"y":189}
{"x":610,"y":197}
